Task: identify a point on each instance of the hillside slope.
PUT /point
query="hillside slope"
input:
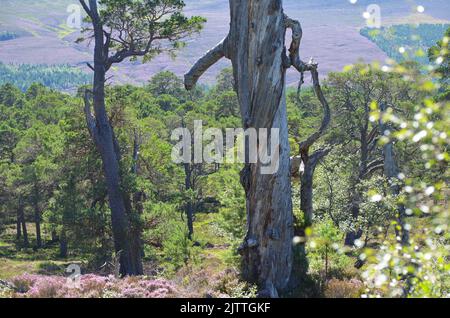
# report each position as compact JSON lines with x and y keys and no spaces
{"x":331,"y":34}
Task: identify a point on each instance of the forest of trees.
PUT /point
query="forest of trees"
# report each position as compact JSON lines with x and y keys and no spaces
{"x":414,"y":39}
{"x":358,"y":207}
{"x":59,"y":77}
{"x":6,"y":35}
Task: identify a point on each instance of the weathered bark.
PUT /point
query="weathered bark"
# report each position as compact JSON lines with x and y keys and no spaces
{"x":103,"y":135}
{"x":391,"y":171}
{"x":256,"y":47}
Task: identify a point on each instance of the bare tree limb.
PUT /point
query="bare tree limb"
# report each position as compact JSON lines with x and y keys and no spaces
{"x":90,"y":66}
{"x":294,"y":55}
{"x":375,"y":163}
{"x":326,"y":111}
{"x":318,"y":155}
{"x":201,"y":66}
{"x":297,"y":34}
{"x":372,"y":170}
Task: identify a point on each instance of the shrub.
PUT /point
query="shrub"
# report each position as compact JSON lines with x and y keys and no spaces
{"x":135,"y":287}
{"x":91,"y":286}
{"x":228,"y":283}
{"x":326,"y":253}
{"x":178,"y":249}
{"x":6,"y":289}
{"x":213,"y":284}
{"x":50,"y":287}
{"x":24,"y":282}
{"x":336,"y":288}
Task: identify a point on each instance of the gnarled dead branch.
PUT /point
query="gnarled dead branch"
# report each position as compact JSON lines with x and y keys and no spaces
{"x":203,"y":64}
{"x":306,"y":160}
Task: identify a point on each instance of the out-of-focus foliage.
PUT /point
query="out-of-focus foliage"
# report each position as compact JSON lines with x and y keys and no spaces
{"x":439,"y":55}
{"x":420,"y":268}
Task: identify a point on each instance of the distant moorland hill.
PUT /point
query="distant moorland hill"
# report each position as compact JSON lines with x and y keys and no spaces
{"x":35,"y":32}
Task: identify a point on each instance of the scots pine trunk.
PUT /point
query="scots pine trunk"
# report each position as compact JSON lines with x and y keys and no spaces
{"x":127,"y":30}
{"x":103,"y":135}
{"x":189,"y":208}
{"x":125,"y":244}
{"x":18,"y":227}
{"x":26,"y":242}
{"x":22,"y":223}
{"x":37,"y":215}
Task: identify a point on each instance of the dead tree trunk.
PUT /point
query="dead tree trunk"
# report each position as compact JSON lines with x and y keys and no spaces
{"x":256,"y":47}
{"x":306,"y":188}
{"x":306,"y":163}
